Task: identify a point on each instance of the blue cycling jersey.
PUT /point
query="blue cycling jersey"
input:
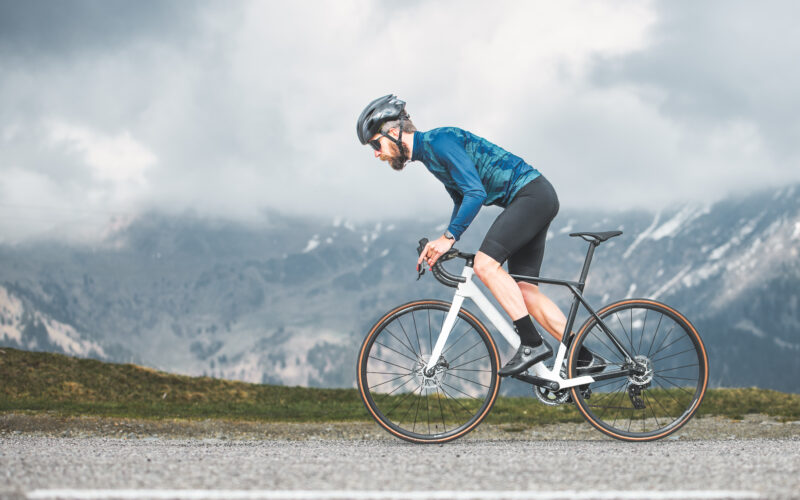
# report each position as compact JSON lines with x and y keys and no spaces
{"x":474,"y":171}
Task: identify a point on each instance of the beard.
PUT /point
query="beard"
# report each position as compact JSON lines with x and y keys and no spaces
{"x":399,"y":156}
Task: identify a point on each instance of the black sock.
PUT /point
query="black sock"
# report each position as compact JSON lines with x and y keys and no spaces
{"x":527,"y":332}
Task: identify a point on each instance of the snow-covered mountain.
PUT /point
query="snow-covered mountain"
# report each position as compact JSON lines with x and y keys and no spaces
{"x":288,"y":301}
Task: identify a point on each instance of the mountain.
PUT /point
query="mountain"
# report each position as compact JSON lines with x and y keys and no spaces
{"x":288,"y":300}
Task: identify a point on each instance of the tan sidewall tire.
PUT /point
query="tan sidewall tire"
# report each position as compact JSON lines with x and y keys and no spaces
{"x":586,"y":327}
{"x":363,"y":353}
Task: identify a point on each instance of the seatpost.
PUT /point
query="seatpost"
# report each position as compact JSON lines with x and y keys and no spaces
{"x":586,"y":263}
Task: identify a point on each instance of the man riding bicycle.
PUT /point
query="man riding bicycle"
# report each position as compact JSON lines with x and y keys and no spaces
{"x":476,"y":172}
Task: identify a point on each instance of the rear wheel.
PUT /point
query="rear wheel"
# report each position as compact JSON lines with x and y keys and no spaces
{"x":420,"y":407}
{"x":673,"y":365}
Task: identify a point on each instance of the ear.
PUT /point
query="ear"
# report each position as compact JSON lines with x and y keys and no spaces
{"x":394,"y":132}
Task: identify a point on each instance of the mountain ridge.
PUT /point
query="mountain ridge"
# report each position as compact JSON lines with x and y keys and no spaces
{"x":289,"y":301}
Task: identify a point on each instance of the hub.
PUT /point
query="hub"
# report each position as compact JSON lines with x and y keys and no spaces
{"x":645,"y":369}
{"x":430,"y":379}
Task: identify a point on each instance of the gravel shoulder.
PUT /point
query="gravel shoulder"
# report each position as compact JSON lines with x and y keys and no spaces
{"x":754,"y":426}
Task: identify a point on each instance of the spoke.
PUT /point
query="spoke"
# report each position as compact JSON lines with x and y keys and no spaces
{"x":412,"y":351}
{"x":664,"y":339}
{"x":449,"y":404}
{"x":676,"y":385}
{"x":615,"y":352}
{"x":399,"y":322}
{"x":655,"y":334}
{"x":624,"y":330}
{"x":630,"y":419}
{"x":665,"y":410}
{"x":387,"y":373}
{"x":390,"y":363}
{"x":679,"y":378}
{"x":692,"y":349}
{"x":468,"y":349}
{"x":608,"y":382}
{"x":457,"y":401}
{"x":441,"y":411}
{"x":676,"y":368}
{"x":416,"y":331}
{"x":394,"y":350}
{"x":622,"y":393}
{"x":468,"y":362}
{"x":459,"y":390}
{"x":667,"y":392}
{"x":612,"y":394}
{"x":386,"y":396}
{"x":401,"y":401}
{"x":459,"y":338}
{"x":631,"y":311}
{"x":428,"y":409}
{"x":392,"y":380}
{"x":671,"y":343}
{"x":626,"y":408}
{"x":643,"y":326}
{"x":416,"y":412}
{"x":472,"y":381}
{"x":469,"y":370}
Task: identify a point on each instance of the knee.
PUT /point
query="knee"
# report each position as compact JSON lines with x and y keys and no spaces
{"x":485,"y":266}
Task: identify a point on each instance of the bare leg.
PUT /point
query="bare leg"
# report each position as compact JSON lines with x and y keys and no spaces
{"x":543,"y":310}
{"x":503,"y":287}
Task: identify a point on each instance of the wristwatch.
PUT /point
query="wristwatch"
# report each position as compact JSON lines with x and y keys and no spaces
{"x":449,"y":235}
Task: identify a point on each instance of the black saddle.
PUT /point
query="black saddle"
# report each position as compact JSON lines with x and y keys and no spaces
{"x":597,"y":237}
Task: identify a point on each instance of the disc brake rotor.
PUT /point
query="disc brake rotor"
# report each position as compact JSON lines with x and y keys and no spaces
{"x":647,"y":376}
{"x":434,"y":380}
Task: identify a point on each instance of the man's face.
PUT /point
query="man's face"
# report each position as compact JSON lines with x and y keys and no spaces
{"x":389,"y":152}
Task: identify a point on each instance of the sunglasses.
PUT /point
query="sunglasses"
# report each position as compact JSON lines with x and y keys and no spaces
{"x":376,"y":144}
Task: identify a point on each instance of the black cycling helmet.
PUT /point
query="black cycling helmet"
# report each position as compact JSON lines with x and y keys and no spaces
{"x":378,"y":112}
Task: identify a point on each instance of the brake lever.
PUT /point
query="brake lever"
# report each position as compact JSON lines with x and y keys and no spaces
{"x":420,"y":248}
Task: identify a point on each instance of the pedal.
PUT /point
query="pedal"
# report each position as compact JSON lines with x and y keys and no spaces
{"x":635,"y":392}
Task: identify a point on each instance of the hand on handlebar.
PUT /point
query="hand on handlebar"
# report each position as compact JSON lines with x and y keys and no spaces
{"x":433,"y":250}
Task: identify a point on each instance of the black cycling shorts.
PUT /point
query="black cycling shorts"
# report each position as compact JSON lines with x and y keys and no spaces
{"x":519,"y":232}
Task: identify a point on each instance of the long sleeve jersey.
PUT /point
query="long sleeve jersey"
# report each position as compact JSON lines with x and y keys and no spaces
{"x":473,"y":170}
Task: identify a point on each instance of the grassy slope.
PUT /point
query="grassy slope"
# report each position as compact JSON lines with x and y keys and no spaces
{"x":45,"y":382}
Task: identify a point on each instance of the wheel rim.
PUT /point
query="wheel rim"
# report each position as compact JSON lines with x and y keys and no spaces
{"x":423,"y":406}
{"x":672,"y":378}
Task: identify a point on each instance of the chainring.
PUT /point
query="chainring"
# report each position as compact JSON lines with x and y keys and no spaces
{"x":551,"y":398}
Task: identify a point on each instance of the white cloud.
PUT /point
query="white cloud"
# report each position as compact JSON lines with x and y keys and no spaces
{"x":119,"y":159}
{"x":254,"y":105}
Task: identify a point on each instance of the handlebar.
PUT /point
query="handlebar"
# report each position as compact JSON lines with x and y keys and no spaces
{"x":439,"y":272}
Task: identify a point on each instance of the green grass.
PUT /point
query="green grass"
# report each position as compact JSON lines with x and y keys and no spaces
{"x":40,"y":382}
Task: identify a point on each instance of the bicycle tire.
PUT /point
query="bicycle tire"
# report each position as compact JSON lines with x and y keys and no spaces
{"x":666,"y":400}
{"x":392,"y":356}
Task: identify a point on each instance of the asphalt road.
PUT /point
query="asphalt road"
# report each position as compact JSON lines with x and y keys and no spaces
{"x":46,"y":467}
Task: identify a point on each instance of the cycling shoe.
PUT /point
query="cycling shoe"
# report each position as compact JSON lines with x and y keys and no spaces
{"x":525,"y":357}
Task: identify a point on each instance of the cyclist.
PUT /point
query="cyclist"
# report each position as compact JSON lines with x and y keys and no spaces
{"x":476,"y":172}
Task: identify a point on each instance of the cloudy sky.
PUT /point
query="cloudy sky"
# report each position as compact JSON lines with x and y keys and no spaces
{"x":111,"y":108}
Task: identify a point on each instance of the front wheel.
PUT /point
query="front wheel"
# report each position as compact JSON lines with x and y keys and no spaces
{"x":427,"y":408}
{"x":672,"y":364}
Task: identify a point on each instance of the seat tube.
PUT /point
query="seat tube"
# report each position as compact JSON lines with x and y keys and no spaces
{"x":586,"y":264}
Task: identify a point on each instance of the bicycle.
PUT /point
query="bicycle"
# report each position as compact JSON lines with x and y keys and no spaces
{"x":650,"y":380}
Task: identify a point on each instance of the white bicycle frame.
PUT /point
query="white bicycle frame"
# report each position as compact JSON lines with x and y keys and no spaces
{"x":470,"y":290}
